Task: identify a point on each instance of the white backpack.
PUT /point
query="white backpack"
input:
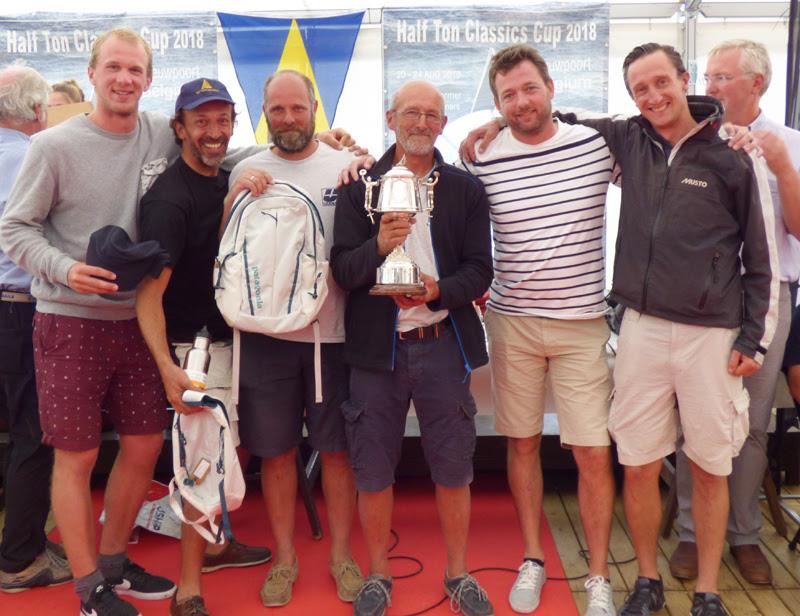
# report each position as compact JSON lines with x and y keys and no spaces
{"x":207,"y":471}
{"x":271,"y":272}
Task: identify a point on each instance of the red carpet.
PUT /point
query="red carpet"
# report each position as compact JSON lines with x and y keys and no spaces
{"x":494,"y":542}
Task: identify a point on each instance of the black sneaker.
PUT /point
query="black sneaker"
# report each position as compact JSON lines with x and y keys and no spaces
{"x":104,"y":602}
{"x":647,"y":597}
{"x":707,"y":604}
{"x":139,"y":584}
{"x":374,"y":597}
{"x":467,"y":596}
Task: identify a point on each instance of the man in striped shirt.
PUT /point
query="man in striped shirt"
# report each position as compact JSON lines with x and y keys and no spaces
{"x":547,"y":184}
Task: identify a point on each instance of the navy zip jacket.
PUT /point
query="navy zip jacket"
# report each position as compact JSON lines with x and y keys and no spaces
{"x":459,"y":228}
{"x":691,"y":216}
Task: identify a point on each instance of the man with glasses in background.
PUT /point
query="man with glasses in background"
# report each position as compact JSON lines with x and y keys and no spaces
{"x":738,"y":73}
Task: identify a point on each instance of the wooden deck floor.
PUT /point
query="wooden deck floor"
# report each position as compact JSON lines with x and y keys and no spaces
{"x":739,"y":597}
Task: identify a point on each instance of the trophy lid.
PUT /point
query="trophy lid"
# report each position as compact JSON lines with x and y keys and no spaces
{"x":399,"y":171}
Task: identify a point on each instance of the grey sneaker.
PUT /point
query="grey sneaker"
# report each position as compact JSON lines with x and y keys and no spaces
{"x":527,"y":589}
{"x":467,"y":596}
{"x":707,"y":604}
{"x":599,"y":597}
{"x":374,"y":597}
{"x":47,"y":569}
{"x":646,"y":598}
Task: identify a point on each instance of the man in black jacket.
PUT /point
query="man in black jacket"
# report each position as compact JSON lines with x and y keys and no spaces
{"x":692,"y":214}
{"x":421,"y":349}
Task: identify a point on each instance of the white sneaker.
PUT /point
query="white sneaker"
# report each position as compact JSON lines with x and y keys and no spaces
{"x":527,"y":589}
{"x":599,"y":597}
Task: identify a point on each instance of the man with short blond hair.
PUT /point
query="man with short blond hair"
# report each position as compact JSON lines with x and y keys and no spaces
{"x":88,"y":349}
{"x":738,"y":73}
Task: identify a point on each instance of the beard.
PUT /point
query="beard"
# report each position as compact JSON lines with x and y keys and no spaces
{"x":529,"y":128}
{"x":293,"y":138}
{"x":210,"y":160}
{"x":416,"y":143}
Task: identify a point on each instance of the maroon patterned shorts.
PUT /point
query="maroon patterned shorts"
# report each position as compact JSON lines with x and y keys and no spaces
{"x":85,"y":366}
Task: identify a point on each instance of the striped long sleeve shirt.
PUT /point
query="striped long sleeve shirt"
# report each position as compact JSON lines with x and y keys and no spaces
{"x":547,"y":208}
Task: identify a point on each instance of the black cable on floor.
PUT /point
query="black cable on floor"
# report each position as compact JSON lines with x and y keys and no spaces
{"x":583,"y":552}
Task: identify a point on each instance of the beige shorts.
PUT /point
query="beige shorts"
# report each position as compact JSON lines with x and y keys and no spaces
{"x":527,"y":353}
{"x":669,"y":376}
{"x":218,"y":384}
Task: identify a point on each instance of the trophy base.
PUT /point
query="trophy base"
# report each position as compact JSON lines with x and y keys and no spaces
{"x":398,"y":289}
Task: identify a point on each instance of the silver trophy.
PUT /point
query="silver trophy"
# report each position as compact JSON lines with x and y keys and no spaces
{"x":399,"y":192}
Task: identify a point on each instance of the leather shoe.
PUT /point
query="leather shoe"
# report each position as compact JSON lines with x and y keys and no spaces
{"x":683,"y":562}
{"x":752,"y":563}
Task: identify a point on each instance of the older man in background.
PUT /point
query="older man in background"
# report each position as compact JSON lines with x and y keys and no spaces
{"x":27,"y":559}
{"x":738,"y":73}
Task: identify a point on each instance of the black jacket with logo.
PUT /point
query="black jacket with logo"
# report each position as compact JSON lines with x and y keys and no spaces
{"x":460,"y":235}
{"x":691,"y":216}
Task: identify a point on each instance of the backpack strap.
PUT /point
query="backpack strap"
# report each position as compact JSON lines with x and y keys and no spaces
{"x":317,"y":364}
{"x":237,"y":352}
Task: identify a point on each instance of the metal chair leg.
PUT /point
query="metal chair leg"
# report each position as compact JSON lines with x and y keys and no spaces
{"x":306,"y":486}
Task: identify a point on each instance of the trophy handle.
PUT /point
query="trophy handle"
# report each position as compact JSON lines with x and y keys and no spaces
{"x":370,"y":184}
{"x":429,"y":184}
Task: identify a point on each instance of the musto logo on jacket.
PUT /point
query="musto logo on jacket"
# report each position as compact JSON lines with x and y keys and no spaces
{"x":693,"y":182}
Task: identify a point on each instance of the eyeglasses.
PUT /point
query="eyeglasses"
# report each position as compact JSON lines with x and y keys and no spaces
{"x":412,"y":115}
{"x":721,"y":78}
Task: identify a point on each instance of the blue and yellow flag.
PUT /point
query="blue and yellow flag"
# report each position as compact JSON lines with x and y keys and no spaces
{"x":320,"y":48}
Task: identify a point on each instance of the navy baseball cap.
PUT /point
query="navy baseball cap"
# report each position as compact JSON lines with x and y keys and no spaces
{"x":201,"y":91}
{"x":111,"y":248}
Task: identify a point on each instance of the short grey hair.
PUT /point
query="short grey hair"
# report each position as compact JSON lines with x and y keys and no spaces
{"x":21,"y":89}
{"x":753,"y":59}
{"x":309,"y":85}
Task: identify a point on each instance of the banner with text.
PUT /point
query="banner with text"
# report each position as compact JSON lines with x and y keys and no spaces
{"x":452,"y":49}
{"x":58,"y":45}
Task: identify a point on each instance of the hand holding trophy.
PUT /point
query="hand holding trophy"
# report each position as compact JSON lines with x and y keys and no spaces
{"x":398,"y":194}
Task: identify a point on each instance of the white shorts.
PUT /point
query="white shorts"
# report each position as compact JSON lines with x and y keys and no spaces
{"x":669,"y":375}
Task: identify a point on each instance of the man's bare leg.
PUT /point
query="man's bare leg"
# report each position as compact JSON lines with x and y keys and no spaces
{"x":127,"y":485}
{"x":525,"y":482}
{"x":643,"y":512}
{"x":72,"y":507}
{"x":710,"y":513}
{"x":192,"y":549}
{"x":339,"y":488}
{"x":596,"y":503}
{"x":375,"y":512}
{"x":454,"y":507}
{"x":279,"y":487}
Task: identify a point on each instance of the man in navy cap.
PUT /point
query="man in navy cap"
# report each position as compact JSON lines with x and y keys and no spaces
{"x":182,"y":211}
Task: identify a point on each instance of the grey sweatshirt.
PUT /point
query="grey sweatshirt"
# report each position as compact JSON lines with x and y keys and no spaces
{"x":77,"y":178}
